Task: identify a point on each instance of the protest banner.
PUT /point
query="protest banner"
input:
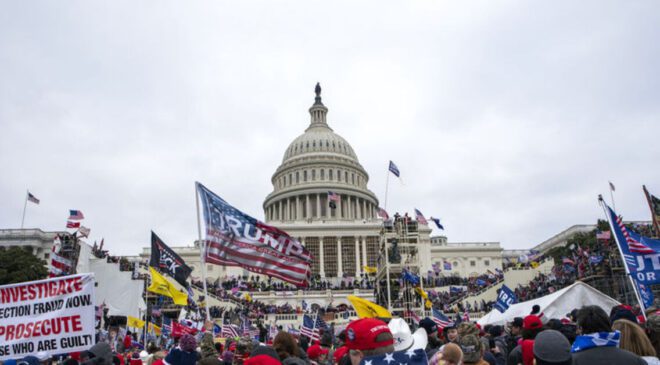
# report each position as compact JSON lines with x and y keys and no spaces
{"x":47,"y":317}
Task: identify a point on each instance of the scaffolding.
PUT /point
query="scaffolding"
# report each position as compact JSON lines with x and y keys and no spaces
{"x":399,"y":251}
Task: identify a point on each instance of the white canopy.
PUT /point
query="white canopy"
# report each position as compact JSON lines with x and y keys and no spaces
{"x":554,"y":305}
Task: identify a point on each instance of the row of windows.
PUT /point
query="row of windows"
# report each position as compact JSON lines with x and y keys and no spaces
{"x":311,"y":175}
{"x":305,"y":146}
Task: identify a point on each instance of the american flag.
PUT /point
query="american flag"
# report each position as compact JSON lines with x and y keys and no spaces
{"x":633,"y":244}
{"x":411,"y":357}
{"x":248,"y":330}
{"x":603,"y":235}
{"x":70,"y":224}
{"x":76,"y":215}
{"x":84,"y":231}
{"x":440,"y":319}
{"x":32,"y":198}
{"x":383,"y":214}
{"x":420,"y":217}
{"x":293,"y":330}
{"x":229,"y":330}
{"x":332,"y":196}
{"x":58,"y":265}
{"x":167,"y":325}
{"x":393,"y":169}
{"x":309,"y":329}
{"x":412,"y":315}
{"x":233,"y":238}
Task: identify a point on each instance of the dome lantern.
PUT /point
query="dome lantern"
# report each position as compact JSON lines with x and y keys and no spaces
{"x":318,"y":111}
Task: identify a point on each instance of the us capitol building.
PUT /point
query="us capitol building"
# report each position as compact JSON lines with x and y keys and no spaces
{"x":346,"y":238}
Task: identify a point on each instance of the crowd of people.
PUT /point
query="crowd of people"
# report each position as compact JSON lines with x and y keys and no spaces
{"x":586,"y":335}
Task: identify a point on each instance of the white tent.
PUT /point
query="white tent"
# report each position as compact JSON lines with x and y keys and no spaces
{"x":555,"y":305}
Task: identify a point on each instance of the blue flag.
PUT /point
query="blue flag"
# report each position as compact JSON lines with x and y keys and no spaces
{"x":446,"y":265}
{"x":641,"y":254}
{"x":393,"y":169}
{"x":411,"y":357}
{"x":646,"y":294}
{"x":455,"y":289}
{"x":410,"y":277}
{"x":216,"y":330}
{"x":481,"y":282}
{"x":437,"y":223}
{"x":595,"y":259}
{"x":505,"y":298}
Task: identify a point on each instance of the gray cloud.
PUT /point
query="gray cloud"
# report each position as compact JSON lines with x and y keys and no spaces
{"x":506,"y":119}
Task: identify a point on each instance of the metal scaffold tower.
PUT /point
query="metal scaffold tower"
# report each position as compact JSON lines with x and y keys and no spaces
{"x":399,"y":251}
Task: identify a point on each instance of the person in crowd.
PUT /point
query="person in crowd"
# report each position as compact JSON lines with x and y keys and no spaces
{"x":317,"y":354}
{"x":472,"y":350}
{"x":515,"y":331}
{"x":368,"y":337}
{"x":99,"y":354}
{"x":287,"y":349}
{"x":263,"y":355}
{"x":523,"y":352}
{"x":653,"y":331}
{"x":596,"y":344}
{"x":635,"y":340}
{"x":431,"y":329}
{"x":450,"y":333}
{"x":552,"y":348}
{"x":185,"y":353}
{"x":451,"y":354}
{"x":499,"y":339}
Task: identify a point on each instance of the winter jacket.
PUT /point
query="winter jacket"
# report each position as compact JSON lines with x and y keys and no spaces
{"x":606,"y":356}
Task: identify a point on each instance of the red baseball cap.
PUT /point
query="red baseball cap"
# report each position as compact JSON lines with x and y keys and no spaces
{"x":361,"y":334}
{"x":532,"y":322}
{"x":339,"y":353}
{"x":315,"y":351}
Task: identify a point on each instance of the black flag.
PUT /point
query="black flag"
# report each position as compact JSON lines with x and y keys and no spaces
{"x":167,"y":261}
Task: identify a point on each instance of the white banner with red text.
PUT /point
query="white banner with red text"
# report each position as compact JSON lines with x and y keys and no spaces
{"x":47,"y":317}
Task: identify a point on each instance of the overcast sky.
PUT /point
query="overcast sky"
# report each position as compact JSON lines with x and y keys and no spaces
{"x":506,"y":118}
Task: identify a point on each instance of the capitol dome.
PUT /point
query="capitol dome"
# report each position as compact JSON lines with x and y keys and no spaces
{"x":317,"y":162}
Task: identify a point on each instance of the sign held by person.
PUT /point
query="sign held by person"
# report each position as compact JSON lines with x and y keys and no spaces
{"x":47,"y":317}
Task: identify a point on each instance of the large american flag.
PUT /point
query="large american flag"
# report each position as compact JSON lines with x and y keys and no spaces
{"x":633,"y":244}
{"x":309,"y":329}
{"x":233,"y":238}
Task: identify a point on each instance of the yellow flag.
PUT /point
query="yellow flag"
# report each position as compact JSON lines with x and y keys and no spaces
{"x":534,"y":264}
{"x":134,"y":322}
{"x":248,"y":297}
{"x":155,"y":329}
{"x":370,"y":269}
{"x":162,"y":286}
{"x":421,"y":292}
{"x":367,"y":309}
{"x":428,"y":304}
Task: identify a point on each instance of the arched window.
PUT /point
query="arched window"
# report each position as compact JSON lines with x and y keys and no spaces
{"x":305,"y":175}
{"x":297,"y":177}
{"x":322,"y":174}
{"x":338,"y":175}
{"x":346,"y":176}
{"x":313,"y":175}
{"x":353,"y":178}
{"x":330,"y":174}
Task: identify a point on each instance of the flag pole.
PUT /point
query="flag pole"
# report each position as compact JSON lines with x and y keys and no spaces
{"x":202,"y":253}
{"x":653,"y":216}
{"x":24,"y":208}
{"x":612,"y":195}
{"x":623,"y":259}
{"x":387,"y":184}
